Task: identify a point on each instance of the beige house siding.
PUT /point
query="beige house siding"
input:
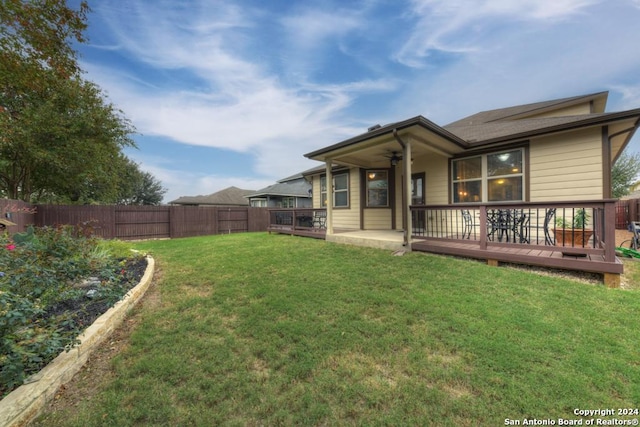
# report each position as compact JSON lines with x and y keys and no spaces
{"x":315,"y":185}
{"x":617,"y":142}
{"x":346,"y":218}
{"x":349,"y":218}
{"x":377,"y":219}
{"x":573,"y":110}
{"x":436,"y":169}
{"x":566,"y":167}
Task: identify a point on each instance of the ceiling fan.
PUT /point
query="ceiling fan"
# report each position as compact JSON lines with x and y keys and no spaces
{"x":394,"y":157}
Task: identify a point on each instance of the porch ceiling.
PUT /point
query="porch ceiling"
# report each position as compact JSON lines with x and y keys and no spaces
{"x":376,"y":151}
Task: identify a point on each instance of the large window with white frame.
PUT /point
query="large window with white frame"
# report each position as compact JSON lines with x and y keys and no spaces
{"x":494,"y":177}
{"x":340,"y":190}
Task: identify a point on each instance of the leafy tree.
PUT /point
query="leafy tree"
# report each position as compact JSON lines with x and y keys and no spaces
{"x":624,"y":173}
{"x":59,"y":139}
{"x":138,"y":187}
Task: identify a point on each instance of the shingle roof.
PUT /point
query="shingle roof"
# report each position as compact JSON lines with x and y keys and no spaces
{"x":520,"y":110}
{"x":511,"y":128}
{"x":285,"y":187}
{"x":512,"y":123}
{"x":231,"y":196}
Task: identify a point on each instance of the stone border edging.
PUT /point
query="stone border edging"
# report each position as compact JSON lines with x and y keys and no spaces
{"x":25,"y":403}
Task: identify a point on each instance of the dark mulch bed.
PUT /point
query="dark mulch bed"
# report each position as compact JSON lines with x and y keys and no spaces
{"x":75,"y":314}
{"x":85,"y":310}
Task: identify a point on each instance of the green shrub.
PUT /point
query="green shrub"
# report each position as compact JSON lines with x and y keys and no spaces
{"x":38,"y":269}
{"x":27,"y":340}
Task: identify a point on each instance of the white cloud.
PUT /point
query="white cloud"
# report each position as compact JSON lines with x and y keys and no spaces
{"x":630,"y":96}
{"x":216,"y":74}
{"x":463,"y":26}
{"x":312,"y":27}
{"x":239,"y":104}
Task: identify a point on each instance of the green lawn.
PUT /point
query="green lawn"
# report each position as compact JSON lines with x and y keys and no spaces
{"x":258,"y":329}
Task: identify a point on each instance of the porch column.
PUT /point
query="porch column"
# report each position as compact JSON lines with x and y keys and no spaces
{"x":329,"y":182}
{"x":406,"y":155}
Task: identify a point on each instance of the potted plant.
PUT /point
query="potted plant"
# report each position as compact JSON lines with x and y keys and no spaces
{"x":573,"y":233}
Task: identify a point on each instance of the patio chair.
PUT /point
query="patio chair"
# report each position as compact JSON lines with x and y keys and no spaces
{"x":467,"y":224}
{"x":510,"y":225}
{"x":549,"y":216}
{"x":320,"y":219}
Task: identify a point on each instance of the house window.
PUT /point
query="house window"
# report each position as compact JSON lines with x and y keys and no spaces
{"x":288,"y":202}
{"x":417,"y":188}
{"x":259,"y":203}
{"x":340,"y":190}
{"x":467,"y":180}
{"x":496,"y":177}
{"x":504,"y":176}
{"x":377,"y":188}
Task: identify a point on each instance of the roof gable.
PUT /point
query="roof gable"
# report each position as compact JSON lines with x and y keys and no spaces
{"x":526,"y":121}
{"x":584,"y":104}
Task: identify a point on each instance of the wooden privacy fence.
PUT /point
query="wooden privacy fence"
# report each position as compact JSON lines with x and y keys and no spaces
{"x":17,"y":212}
{"x":627,"y":211}
{"x":144,"y":222}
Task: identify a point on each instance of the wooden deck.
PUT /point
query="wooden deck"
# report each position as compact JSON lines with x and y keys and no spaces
{"x":518,"y":254}
{"x":528,"y":236}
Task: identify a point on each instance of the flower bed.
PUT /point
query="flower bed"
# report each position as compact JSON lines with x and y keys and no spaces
{"x":54,"y":282}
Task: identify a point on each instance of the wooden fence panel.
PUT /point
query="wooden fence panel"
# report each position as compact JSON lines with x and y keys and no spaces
{"x":14,"y":211}
{"x":142,"y":222}
{"x":188,"y":221}
{"x":99,"y":218}
{"x":233,"y":220}
{"x":627,"y":211}
{"x":258,"y":219}
{"x":622,"y":215}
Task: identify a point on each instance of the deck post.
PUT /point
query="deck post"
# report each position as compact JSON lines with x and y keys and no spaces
{"x":612,"y":280}
{"x":329,"y":182}
{"x":610,"y":231}
{"x":483,"y":227}
{"x":407,"y":195}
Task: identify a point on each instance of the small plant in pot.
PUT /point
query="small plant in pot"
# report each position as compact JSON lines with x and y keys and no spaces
{"x":573,"y":233}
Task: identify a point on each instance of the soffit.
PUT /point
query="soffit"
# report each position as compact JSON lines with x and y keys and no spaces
{"x":376,"y":152}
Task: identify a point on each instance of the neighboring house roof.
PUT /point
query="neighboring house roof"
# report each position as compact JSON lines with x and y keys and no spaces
{"x":293,"y":186}
{"x":231,"y":196}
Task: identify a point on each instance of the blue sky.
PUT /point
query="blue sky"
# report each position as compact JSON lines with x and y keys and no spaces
{"x":235,"y":92}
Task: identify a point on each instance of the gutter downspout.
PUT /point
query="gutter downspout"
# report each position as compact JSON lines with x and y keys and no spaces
{"x":406,"y":196}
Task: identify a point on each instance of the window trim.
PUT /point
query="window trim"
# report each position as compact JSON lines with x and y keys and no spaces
{"x":367,"y":189}
{"x":485,"y":178}
{"x":260,"y":202}
{"x":288,"y":202}
{"x":347,"y":190}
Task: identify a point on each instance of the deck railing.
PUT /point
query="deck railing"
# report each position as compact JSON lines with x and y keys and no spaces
{"x":540,"y":226}
{"x":300,"y":221}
